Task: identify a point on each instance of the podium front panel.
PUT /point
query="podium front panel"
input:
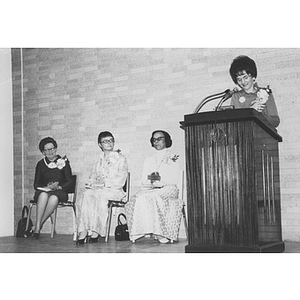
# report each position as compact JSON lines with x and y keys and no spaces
{"x":233,"y":190}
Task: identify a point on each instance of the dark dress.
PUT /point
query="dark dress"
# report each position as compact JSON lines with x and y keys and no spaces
{"x":44,"y":174}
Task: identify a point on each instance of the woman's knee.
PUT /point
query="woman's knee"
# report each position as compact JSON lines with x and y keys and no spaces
{"x":53,"y":200}
{"x":43,"y":197}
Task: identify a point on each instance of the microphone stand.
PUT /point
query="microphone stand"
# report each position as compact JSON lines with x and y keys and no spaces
{"x":210,"y":98}
{"x":225,"y":97}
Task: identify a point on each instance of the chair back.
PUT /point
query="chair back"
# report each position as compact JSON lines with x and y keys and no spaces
{"x":126,"y":188}
{"x":73,"y":190}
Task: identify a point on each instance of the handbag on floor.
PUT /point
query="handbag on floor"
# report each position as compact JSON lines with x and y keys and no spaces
{"x":21,"y":230}
{"x":121,"y":231}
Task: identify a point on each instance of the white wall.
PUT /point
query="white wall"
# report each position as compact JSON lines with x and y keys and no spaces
{"x":6,"y":145}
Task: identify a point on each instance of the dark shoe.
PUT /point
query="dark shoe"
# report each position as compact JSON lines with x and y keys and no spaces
{"x":95,"y":239}
{"x":35,"y":236}
{"x":80,"y":242}
{"x":29,"y":233}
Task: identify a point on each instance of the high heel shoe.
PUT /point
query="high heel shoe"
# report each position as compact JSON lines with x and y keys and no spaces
{"x":163,"y":240}
{"x":29,"y":233}
{"x":81,"y":241}
{"x":94,"y":239}
{"x":136,"y":237}
{"x":35,"y":236}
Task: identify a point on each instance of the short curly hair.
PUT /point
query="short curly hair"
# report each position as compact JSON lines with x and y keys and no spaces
{"x":104,"y":134}
{"x":168,"y":139}
{"x":46,"y":141}
{"x":240,"y":64}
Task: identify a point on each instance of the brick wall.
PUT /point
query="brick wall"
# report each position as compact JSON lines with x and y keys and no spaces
{"x":73,"y":94}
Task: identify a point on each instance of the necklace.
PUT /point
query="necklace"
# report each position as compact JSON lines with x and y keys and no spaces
{"x":51,"y":165}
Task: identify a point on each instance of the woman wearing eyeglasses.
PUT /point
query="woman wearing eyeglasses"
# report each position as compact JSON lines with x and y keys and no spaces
{"x":105,"y":183}
{"x":243,"y":72}
{"x":155,"y":208}
{"x":53,"y":178}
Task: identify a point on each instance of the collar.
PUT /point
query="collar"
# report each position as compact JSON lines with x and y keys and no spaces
{"x":48,"y":161}
{"x":160,"y":154}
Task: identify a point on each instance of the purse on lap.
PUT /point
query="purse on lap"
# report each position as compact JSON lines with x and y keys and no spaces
{"x":121,"y":231}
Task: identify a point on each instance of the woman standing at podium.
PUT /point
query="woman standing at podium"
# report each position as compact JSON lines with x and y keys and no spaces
{"x":243,"y":72}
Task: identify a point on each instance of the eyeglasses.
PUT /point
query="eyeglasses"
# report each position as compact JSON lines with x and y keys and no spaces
{"x":49,"y":150}
{"x":107,"y":141}
{"x":158,"y":139}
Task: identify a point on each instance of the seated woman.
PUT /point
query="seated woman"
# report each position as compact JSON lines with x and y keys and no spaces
{"x":52,"y":180}
{"x":156,"y":209}
{"x":243,"y":72}
{"x":106,"y":182}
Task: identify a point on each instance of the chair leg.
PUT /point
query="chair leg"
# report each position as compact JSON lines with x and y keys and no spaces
{"x":75,"y":234}
{"x":185,"y":221}
{"x":53,"y":223}
{"x":28,"y":217}
{"x":74,"y":209}
{"x":108,"y":222}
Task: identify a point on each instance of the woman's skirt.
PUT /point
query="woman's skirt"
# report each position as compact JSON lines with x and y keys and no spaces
{"x":92,"y":209}
{"x":155,"y":211}
{"x":62,"y":196}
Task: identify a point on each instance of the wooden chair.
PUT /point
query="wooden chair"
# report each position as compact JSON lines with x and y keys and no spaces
{"x":113,"y":203}
{"x":70,"y":203}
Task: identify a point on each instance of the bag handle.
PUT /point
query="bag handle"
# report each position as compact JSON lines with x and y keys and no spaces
{"x":119,"y":221}
{"x":24,"y":210}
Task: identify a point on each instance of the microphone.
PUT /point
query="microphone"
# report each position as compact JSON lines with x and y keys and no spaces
{"x":228,"y":95}
{"x":210,"y":98}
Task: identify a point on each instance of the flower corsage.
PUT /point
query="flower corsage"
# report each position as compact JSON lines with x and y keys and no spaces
{"x":170,"y":158}
{"x":175,"y":157}
{"x":263,"y":95}
{"x":60,"y":163}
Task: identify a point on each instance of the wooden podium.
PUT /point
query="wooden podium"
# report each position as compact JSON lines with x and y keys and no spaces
{"x":233,"y":184}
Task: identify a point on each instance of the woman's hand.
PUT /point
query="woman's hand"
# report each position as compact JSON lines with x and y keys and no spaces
{"x":154,"y":177}
{"x":258,"y":106}
{"x":54,"y":186}
{"x":94,"y":185}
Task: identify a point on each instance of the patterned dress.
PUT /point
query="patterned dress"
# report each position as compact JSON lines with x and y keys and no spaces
{"x":105,"y":183}
{"x":157,"y":210}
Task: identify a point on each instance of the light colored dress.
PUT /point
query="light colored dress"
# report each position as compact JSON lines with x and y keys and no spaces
{"x":157,"y":211}
{"x":105,"y":183}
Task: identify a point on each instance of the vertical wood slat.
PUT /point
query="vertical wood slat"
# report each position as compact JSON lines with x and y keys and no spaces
{"x":268,"y":196}
{"x":268,"y":186}
{"x":273,"y":190}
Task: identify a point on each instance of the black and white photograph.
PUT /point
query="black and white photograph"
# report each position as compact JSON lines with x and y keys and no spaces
{"x":153,"y":164}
